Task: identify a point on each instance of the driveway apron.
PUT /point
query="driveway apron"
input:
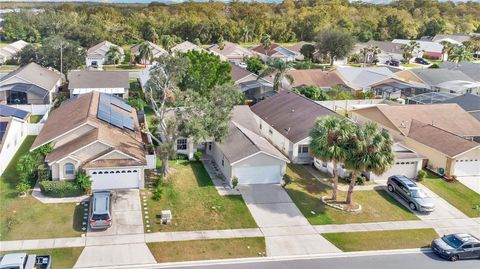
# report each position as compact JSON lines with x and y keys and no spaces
{"x":286,"y":230}
{"x":124,"y":242}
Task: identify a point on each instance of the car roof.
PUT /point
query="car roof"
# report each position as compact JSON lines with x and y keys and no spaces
{"x":13,"y":259}
{"x":467,"y":238}
{"x":100,"y":202}
{"x":407,"y":181}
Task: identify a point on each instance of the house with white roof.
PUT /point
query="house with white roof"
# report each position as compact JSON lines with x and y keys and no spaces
{"x":157,"y":51}
{"x":274,"y":52}
{"x":7,"y":52}
{"x":97,"y":55}
{"x":184,"y":47}
{"x":231,"y":52}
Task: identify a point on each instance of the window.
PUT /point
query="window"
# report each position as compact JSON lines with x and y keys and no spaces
{"x":182,"y":144}
{"x":303,"y":149}
{"x":209,"y":145}
{"x":260,"y":126}
{"x":270,"y":131}
{"x":69,"y":169}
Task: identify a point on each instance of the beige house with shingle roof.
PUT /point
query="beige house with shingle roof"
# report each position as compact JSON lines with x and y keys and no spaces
{"x":444,"y":133}
{"x":97,"y":55}
{"x":231,"y":52}
{"x":86,"y":135}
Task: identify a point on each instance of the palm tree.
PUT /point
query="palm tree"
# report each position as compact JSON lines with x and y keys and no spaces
{"x":245,"y":32}
{"x":460,"y":54}
{"x":369,"y":149}
{"x":266,"y":41}
{"x":221,"y":43}
{"x":113,"y":54}
{"x":447,"y":49}
{"x":409,"y":49}
{"x":375,"y":51}
{"x":365,"y":51}
{"x":280,"y":69}
{"x":329,"y":143}
{"x":167,"y":42}
{"x":145,"y":52}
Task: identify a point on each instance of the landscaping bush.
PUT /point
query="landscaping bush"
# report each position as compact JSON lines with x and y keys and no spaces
{"x":22,"y":187}
{"x":197,"y":155}
{"x":60,"y":189}
{"x":157,"y":192}
{"x":42,"y":172}
{"x":360,"y":180}
{"x":83,"y":181}
{"x":421,"y":175}
{"x":234,"y":182}
{"x":286,"y":180}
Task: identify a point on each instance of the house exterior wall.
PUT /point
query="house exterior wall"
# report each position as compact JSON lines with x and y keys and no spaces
{"x":260,"y":159}
{"x":61,"y":169}
{"x":17,"y":132}
{"x":277,"y":139}
{"x":114,"y":156}
{"x":470,"y":155}
{"x":93,"y":149}
{"x":301,"y":158}
{"x":67,"y":137}
{"x":100,"y":60}
{"x":436,"y":159}
{"x":218,"y":156}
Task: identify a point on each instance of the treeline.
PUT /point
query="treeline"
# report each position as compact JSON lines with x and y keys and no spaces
{"x":206,"y":23}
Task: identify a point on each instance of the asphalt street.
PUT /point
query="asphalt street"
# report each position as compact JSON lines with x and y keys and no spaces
{"x":385,"y":261}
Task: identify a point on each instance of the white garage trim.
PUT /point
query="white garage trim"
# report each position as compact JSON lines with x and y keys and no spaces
{"x":265,"y":174}
{"x":469,"y":167}
{"x":115,"y":151}
{"x":260,"y":152}
{"x":125,"y":178}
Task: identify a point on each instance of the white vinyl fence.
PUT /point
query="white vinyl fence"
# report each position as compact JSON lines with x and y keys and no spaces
{"x":34,"y":109}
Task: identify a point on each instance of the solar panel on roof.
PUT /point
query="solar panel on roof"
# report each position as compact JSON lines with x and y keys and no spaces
{"x":117,"y":118}
{"x":128,"y":122}
{"x":7,"y":111}
{"x":117,"y":101}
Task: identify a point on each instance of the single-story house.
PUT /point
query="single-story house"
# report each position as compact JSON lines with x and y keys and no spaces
{"x":97,"y":55}
{"x":245,"y":154}
{"x":157,"y":51}
{"x":470,"y":69}
{"x":297,"y":47}
{"x":111,"y":82}
{"x":441,"y":80}
{"x":452,"y":39}
{"x":388,"y":51}
{"x":312,"y":77}
{"x":30,"y":84}
{"x":185,"y":46}
{"x":469,"y":102}
{"x":275,"y":52}
{"x":254,"y":88}
{"x":96,"y":133}
{"x":407,"y":162}
{"x":13,"y":130}
{"x":285,"y":119}
{"x":8,"y":52}
{"x":444,"y":134}
{"x":231,"y":52}
{"x":428,"y":49}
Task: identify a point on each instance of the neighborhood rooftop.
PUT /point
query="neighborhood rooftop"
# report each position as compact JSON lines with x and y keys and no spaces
{"x":315,"y":77}
{"x":98,"y":79}
{"x":35,"y":74}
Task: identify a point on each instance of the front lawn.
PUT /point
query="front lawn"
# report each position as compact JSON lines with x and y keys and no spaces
{"x":35,"y":118}
{"x":378,"y":240}
{"x":306,"y":192}
{"x":61,"y":257}
{"x":207,"y":249}
{"x":455,"y":193}
{"x":27,"y":218}
{"x":195,"y":203}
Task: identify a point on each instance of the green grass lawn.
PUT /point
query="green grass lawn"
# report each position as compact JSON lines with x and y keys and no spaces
{"x":27,"y":218}
{"x":412,"y":65}
{"x":207,"y":249}
{"x":35,"y":118}
{"x":196,"y":204}
{"x":122,"y":67}
{"x":61,"y":257}
{"x":8,"y":68}
{"x":455,"y":193}
{"x":378,"y":240}
{"x":306,"y":192}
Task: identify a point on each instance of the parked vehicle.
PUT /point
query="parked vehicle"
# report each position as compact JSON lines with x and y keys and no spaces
{"x":416,"y":198}
{"x":457,"y":246}
{"x":421,"y":61}
{"x":393,"y":62}
{"x":25,"y":261}
{"x":100,"y":210}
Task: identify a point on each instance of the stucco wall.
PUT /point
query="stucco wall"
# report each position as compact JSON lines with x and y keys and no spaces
{"x":218,"y":156}
{"x":278,"y":140}
{"x":92,"y":150}
{"x":17,"y":132}
{"x":61,"y":169}
{"x":436,"y":159}
{"x":470,"y":155}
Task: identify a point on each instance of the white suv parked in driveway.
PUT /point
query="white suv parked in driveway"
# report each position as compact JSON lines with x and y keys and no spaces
{"x":100,"y":216}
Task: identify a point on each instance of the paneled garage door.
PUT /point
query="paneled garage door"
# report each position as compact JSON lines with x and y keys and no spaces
{"x":258,"y":174}
{"x":115,"y":179}
{"x":467,"y":168}
{"x":408,"y":169}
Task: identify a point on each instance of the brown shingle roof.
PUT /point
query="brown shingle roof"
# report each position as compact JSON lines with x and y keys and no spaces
{"x":317,"y":77}
{"x":76,"y":144}
{"x":261,"y":49}
{"x":291,"y":114}
{"x":448,"y":143}
{"x":238,"y":72}
{"x":298,"y":46}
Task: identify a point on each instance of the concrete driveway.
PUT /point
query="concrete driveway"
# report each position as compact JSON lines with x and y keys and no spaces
{"x":286,"y":230}
{"x":472,"y":183}
{"x":123,"y":243}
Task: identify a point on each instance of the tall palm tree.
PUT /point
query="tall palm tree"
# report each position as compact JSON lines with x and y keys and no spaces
{"x":375,"y":51}
{"x":329,"y":143}
{"x":279,"y":69}
{"x":370,"y":149}
{"x":113,"y":54}
{"x":245,"y":32}
{"x":167,"y":42}
{"x":447,"y":48}
{"x":145,"y":52}
{"x":365,"y":51}
{"x":221,"y":43}
{"x":266,"y":41}
{"x":409,"y":49}
{"x":461,"y":54}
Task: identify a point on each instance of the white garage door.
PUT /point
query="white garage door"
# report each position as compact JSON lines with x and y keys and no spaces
{"x":258,"y":174}
{"x":115,"y":179}
{"x":408,"y":169}
{"x":467,"y":168}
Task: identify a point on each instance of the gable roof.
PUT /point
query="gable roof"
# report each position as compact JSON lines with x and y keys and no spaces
{"x":102,"y":48}
{"x":448,"y":143}
{"x":317,"y":77}
{"x":186,"y":46}
{"x":238,"y":73}
{"x":457,"y":38}
{"x":98,"y":79}
{"x":156,"y":49}
{"x":291,"y":114}
{"x":384,"y":46}
{"x":230,"y":50}
{"x":427,"y":46}
{"x":11,"y":49}
{"x":34,"y":74}
{"x":243,"y":139}
{"x":437,"y":76}
{"x":468,"y":68}
{"x":449,"y":117}
{"x":361,"y":77}
{"x":83,"y":110}
{"x":274,"y":48}
{"x":298,"y":46}
{"x":469,"y":102}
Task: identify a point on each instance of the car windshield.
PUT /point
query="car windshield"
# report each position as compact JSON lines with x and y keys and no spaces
{"x":100,"y":217}
{"x":419,"y":193}
{"x":452,"y":241}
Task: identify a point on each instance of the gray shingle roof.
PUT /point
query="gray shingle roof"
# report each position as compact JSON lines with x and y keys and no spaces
{"x":436,"y":76}
{"x":468,"y":101}
{"x":36,"y":75}
{"x":470,"y":69}
{"x":291,"y":114}
{"x":98,"y":79}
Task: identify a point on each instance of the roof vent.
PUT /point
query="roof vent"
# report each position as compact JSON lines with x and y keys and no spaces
{"x":293,"y":110}
{"x":403,"y":124}
{"x":287,"y":130}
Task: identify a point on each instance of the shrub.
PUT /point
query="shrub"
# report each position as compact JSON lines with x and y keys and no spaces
{"x":197,"y":155}
{"x":157,"y":192}
{"x":286,"y":180}
{"x":83,"y":181}
{"x":234,"y":181}
{"x":60,"y":189}
{"x":22,"y":187}
{"x":42,"y":172}
{"x":421,"y":175}
{"x":360,"y":180}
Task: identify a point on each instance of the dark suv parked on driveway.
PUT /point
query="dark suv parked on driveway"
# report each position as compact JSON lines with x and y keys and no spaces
{"x":416,"y":198}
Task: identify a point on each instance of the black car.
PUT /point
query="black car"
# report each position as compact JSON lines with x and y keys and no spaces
{"x":393,"y":62}
{"x":421,"y":61}
{"x":457,"y":246}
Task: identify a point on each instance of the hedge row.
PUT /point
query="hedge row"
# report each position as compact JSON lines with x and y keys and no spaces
{"x":60,"y":189}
